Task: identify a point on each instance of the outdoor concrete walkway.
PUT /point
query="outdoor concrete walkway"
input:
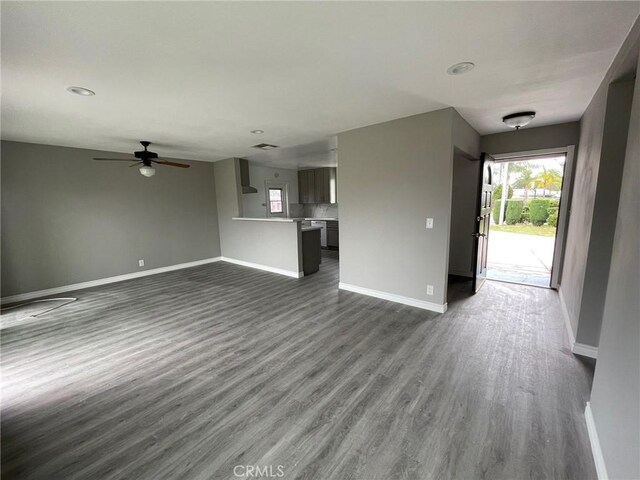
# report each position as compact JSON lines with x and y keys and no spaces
{"x":514,"y":257}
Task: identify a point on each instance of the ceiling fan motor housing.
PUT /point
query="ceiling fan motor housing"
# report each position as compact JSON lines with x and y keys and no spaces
{"x":142,"y":154}
{"x":145,"y":155}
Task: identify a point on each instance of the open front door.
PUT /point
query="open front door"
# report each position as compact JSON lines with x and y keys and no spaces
{"x":483,"y":217}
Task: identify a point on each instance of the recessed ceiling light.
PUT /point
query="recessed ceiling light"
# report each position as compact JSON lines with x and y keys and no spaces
{"x":257,"y":132}
{"x":517,"y":120}
{"x":460,"y":68}
{"x":85,"y":92}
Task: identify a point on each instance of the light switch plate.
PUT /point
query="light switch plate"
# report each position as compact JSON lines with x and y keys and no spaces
{"x":429,"y":222}
{"x":429,"y":289}
{"x":141,"y":263}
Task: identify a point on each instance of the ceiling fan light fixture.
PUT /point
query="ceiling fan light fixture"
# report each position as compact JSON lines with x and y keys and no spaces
{"x":85,"y":92}
{"x":257,"y":132}
{"x":147,"y":171}
{"x":517,"y":120}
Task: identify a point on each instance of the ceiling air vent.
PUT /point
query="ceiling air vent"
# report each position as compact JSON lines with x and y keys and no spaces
{"x":265,"y":146}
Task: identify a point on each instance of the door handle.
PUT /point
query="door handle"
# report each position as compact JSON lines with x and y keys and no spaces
{"x":478,"y":235}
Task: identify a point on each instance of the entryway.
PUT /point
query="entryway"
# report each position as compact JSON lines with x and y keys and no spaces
{"x":527,"y":196}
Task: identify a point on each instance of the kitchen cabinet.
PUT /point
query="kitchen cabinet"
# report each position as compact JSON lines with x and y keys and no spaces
{"x":317,"y":185}
{"x":306,"y":186}
{"x":321,"y":191}
{"x":311,"y":256}
{"x":333,"y":235}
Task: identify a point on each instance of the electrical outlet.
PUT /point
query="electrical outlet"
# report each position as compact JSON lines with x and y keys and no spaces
{"x":429,"y":289}
{"x":141,"y":263}
{"x":429,"y":222}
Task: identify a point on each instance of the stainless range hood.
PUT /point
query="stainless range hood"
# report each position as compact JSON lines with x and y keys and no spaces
{"x":245,"y":181}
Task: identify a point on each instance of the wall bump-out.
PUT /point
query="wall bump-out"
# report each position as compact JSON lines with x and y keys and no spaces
{"x":596,"y":450}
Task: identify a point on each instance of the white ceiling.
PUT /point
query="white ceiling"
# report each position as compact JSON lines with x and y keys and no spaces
{"x":195,"y":78}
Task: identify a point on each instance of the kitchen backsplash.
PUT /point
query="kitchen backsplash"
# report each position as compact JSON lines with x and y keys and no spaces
{"x":321,"y":210}
{"x":296,"y":210}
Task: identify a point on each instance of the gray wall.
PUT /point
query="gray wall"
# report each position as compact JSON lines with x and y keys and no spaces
{"x":591,"y":184}
{"x":68,"y":219}
{"x":603,"y":223}
{"x":393,"y":176}
{"x":270,"y":244}
{"x":466,"y":171}
{"x":464,"y":199}
{"x":538,"y":138}
{"x":615,"y":397}
{"x":465,"y":138}
{"x":253,"y":204}
{"x":583,"y":198}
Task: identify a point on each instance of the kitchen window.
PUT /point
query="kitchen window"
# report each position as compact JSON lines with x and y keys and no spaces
{"x":276,"y":201}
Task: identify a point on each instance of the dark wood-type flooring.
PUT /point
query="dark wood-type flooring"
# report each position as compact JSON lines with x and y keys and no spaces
{"x":186,"y":374}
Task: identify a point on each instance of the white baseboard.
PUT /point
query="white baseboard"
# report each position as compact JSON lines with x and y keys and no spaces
{"x":567,"y":321}
{"x":103,"y":281}
{"x":281,"y":271}
{"x":598,"y":457}
{"x":392,"y":297}
{"x":584,"y":350}
{"x":577,"y":348}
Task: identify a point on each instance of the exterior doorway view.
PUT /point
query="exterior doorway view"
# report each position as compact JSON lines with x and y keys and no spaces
{"x":526,"y":207}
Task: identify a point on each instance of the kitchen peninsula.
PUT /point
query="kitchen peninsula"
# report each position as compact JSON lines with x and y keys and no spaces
{"x":307,"y":242}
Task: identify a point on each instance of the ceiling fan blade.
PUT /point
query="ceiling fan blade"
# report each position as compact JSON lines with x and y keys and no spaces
{"x":118,"y":159}
{"x":171,"y":164}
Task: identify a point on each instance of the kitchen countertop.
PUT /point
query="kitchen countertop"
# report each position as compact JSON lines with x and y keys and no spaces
{"x":276,"y":219}
{"x":284,"y":219}
{"x":323,"y":219}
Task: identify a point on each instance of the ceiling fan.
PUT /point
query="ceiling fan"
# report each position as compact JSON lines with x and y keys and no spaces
{"x":146,"y":158}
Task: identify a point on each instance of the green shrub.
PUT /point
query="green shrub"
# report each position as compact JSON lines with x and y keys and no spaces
{"x":553,"y":213}
{"x":525,"y":214}
{"x":539,"y":211}
{"x":497,"y":192}
{"x":496,"y":212}
{"x":514,"y":211}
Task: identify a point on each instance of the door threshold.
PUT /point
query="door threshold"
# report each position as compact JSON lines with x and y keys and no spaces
{"x":519,"y":283}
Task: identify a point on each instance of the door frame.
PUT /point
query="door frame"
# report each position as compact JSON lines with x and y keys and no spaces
{"x":564,"y":212}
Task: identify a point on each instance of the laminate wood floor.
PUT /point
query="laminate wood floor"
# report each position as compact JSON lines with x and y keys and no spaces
{"x":187,"y":374}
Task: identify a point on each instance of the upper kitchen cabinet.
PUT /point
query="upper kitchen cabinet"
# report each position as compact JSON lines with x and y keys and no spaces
{"x":318,"y":185}
{"x":306,"y":186}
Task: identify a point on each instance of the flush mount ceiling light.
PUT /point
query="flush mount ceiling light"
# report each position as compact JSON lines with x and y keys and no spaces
{"x":147,"y":171}
{"x":257,"y":132}
{"x":85,"y":92}
{"x":265,"y":146}
{"x":517,"y":120}
{"x":460,"y":68}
